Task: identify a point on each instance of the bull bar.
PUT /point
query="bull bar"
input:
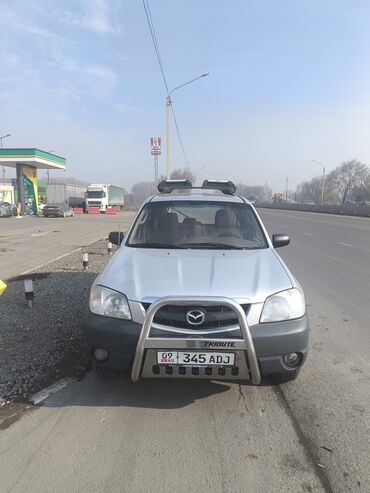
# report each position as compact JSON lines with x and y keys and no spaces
{"x":146,"y":342}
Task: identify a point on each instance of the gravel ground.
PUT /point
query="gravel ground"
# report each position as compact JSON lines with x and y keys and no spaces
{"x":42,"y":344}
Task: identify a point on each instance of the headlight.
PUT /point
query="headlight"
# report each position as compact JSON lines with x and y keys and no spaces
{"x":285,"y":305}
{"x":104,"y":301}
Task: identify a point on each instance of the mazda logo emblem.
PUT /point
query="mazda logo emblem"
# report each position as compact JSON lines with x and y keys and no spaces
{"x":195,"y":317}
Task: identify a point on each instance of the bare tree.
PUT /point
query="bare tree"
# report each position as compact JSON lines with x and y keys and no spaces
{"x":367,"y":188}
{"x":310,"y":191}
{"x":351,"y":179}
{"x":142,"y":190}
{"x":346,"y":177}
{"x":70,"y":180}
{"x":183,"y":174}
{"x":261,"y":193}
{"x":361,"y":191}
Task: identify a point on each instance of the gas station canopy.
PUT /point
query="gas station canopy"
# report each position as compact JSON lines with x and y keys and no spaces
{"x":31,"y":157}
{"x":27,"y":161}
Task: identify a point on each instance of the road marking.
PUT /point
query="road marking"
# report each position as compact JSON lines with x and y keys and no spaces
{"x":307,"y":234}
{"x":52,"y":389}
{"x":40,"y":234}
{"x":345,"y":244}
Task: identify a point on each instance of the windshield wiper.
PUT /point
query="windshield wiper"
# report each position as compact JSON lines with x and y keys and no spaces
{"x":155,"y":245}
{"x":213,"y":244}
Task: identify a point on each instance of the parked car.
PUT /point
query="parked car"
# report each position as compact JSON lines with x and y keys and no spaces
{"x":57,"y":210}
{"x":12,"y":206}
{"x":6,"y":209}
{"x":196,"y":289}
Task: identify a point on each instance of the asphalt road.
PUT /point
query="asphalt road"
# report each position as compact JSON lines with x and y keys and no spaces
{"x":309,"y":435}
{"x":30,"y":241}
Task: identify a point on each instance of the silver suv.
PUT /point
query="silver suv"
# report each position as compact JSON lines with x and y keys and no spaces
{"x":197,"y":290}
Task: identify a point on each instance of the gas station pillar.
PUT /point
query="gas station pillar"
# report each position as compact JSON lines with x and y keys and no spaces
{"x":20,"y":186}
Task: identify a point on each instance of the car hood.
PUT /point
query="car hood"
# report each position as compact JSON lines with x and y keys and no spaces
{"x":247,"y":276}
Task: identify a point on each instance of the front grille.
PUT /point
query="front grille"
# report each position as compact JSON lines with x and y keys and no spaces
{"x":215,"y":316}
{"x":94,"y":204}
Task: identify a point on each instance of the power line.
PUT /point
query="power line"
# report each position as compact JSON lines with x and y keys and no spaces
{"x":159,"y":59}
{"x":155,"y":42}
{"x":179,"y":136}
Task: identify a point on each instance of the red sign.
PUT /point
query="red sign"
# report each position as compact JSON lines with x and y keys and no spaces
{"x":155,"y":144}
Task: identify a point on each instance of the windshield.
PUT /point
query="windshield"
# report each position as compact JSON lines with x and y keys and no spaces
{"x":95,"y":194}
{"x":191,"y":224}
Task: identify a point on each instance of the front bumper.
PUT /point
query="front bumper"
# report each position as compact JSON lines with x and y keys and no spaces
{"x":271,"y":341}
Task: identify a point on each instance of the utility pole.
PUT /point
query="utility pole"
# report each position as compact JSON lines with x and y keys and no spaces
{"x":168,"y":166}
{"x":155,"y":144}
{"x":322,"y":180}
{"x":155,"y":168}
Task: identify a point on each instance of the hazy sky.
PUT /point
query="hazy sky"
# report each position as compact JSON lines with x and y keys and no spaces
{"x":289,"y":82}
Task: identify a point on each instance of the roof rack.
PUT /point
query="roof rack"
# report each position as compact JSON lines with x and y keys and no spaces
{"x":168,"y":186}
{"x":224,"y":186}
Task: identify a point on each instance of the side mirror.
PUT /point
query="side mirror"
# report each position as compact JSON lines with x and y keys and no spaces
{"x":116,"y":237}
{"x":280,"y":240}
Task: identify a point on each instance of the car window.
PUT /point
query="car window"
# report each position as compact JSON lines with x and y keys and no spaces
{"x":197,"y":224}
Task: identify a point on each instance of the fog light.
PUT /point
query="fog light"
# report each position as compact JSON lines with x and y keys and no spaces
{"x":101,"y":354}
{"x":291,"y":359}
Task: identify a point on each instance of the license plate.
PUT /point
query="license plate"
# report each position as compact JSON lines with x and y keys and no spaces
{"x":195,"y":358}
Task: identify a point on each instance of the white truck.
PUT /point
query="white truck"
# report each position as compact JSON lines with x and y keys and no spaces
{"x":102,"y":196}
{"x":71,"y":194}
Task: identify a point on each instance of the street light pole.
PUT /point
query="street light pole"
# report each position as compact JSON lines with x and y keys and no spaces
{"x":286,"y":191}
{"x":286,"y":186}
{"x":1,"y":146}
{"x":168,"y":108}
{"x":168,"y":166}
{"x":322,"y":181}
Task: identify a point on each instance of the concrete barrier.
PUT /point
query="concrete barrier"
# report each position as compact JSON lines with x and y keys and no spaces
{"x":111,"y":210}
{"x":94,"y":210}
{"x":344,"y":210}
{"x":78,"y":210}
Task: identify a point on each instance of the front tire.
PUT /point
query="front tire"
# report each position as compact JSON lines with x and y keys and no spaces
{"x":106,"y":372}
{"x":288,"y":376}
